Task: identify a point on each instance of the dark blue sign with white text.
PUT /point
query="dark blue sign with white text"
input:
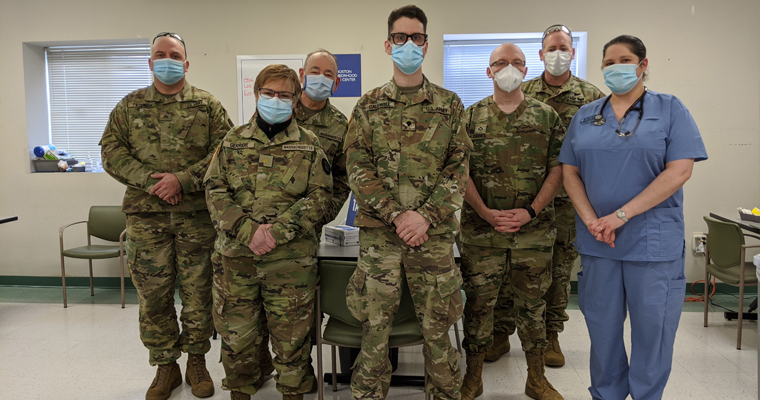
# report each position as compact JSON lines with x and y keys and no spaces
{"x":350,"y":74}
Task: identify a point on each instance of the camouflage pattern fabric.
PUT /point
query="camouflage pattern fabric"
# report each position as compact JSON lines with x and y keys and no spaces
{"x":149,"y":133}
{"x":373,"y":296}
{"x":512,"y":156}
{"x":251,"y":181}
{"x":565,"y":101}
{"x":163,"y":248}
{"x":408,"y":153}
{"x":285,"y":288}
{"x":286,"y":182}
{"x":330,"y":126}
{"x":519,"y":276}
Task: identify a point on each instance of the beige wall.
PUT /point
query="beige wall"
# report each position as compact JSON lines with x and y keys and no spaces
{"x":705,"y":52}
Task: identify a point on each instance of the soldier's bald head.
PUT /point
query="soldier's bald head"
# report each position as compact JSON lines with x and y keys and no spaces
{"x":167,"y":45}
{"x":508,"y":52}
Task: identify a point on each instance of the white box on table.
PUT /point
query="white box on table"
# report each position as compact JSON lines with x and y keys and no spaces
{"x":342,"y":235}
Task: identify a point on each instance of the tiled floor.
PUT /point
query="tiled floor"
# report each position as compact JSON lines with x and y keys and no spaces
{"x":92,"y":351}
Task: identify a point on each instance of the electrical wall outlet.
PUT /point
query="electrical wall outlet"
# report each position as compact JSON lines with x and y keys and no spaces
{"x":699,"y":242}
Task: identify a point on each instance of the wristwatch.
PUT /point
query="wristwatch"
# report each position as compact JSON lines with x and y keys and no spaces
{"x":531,"y":211}
{"x":621,"y":214}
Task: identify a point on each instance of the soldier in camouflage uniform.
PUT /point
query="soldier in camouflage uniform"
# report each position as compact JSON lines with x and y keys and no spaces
{"x":565,"y":93}
{"x":267,"y":186}
{"x":158,"y":142}
{"x":407,"y":154}
{"x":508,"y":218}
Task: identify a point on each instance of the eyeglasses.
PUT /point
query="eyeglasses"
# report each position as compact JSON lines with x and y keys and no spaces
{"x":556,"y":28}
{"x":401,"y":38}
{"x":269,"y":93}
{"x":519,"y":64}
{"x":171,"y":35}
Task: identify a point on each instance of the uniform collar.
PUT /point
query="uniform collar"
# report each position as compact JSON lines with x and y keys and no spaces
{"x":321,"y":118}
{"x":291,"y":134}
{"x":571,"y":85}
{"x":502,"y":115}
{"x":426,"y":93}
{"x":154,"y":95}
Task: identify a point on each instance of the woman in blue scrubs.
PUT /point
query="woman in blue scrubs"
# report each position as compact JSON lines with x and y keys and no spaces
{"x":626,"y":158}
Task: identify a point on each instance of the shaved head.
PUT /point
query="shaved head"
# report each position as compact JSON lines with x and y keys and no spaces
{"x":508,"y":52}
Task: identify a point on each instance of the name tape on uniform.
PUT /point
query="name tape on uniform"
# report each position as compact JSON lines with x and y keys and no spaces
{"x":305,"y":147}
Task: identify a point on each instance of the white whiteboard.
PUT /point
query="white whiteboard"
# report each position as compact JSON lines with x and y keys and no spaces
{"x":248,"y":67}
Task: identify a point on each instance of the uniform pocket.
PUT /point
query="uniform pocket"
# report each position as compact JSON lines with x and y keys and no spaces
{"x":235,"y":323}
{"x":296,"y":178}
{"x":448,"y":286}
{"x":356,"y":296}
{"x":674,"y":302}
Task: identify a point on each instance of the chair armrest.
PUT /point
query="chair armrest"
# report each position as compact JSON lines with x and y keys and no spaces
{"x":744,"y":246}
{"x":122,"y":236}
{"x":61,"y":229}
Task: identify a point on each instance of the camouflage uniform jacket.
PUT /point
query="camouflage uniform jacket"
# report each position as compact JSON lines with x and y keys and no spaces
{"x":566,"y":101}
{"x":512,"y":156}
{"x":149,"y":133}
{"x":330,"y":126}
{"x":252,"y":180}
{"x":408,"y":153}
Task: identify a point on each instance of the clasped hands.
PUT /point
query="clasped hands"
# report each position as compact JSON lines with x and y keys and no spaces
{"x":168,"y":188}
{"x":412,"y":228}
{"x":603,"y":229}
{"x":507,"y":221}
{"x":262,"y":241}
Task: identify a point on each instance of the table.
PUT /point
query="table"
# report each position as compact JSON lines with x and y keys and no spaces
{"x":4,"y":220}
{"x":753,"y":227}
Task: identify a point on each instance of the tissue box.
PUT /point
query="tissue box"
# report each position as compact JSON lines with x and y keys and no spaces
{"x":749,"y":217}
{"x":342,"y":235}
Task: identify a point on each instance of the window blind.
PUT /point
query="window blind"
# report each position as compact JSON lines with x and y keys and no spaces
{"x":84,"y":84}
{"x":465,"y":63}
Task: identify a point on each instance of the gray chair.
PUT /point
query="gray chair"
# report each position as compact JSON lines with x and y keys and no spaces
{"x":725,"y":260}
{"x":343,"y":329}
{"x":104,"y":222}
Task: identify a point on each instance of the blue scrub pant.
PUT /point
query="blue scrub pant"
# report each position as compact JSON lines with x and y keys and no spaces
{"x":653,"y":294}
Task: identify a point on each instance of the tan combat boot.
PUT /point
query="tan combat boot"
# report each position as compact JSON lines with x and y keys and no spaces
{"x":537,"y":386}
{"x":472,"y":384}
{"x":553,"y":356}
{"x":499,"y":347}
{"x":239,"y":396}
{"x":168,"y":377}
{"x":197,"y":376}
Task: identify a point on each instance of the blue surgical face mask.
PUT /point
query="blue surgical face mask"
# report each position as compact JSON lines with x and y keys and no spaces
{"x":168,"y":71}
{"x":407,"y":57}
{"x":274,"y":110}
{"x":318,"y":87}
{"x":621,"y":78}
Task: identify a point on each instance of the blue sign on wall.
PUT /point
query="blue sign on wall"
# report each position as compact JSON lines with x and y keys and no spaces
{"x":353,"y":208}
{"x":350,"y":73}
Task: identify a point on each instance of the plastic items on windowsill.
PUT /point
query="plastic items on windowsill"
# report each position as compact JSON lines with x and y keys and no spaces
{"x":749,"y":215}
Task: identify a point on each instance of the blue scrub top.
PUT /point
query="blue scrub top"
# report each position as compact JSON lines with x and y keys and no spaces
{"x":616,"y":169}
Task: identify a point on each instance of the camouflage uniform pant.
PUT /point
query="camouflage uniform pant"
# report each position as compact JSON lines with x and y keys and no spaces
{"x":373,"y":297}
{"x":286,"y":288}
{"x":164,"y":248}
{"x":503,"y":285}
{"x":563,"y":261}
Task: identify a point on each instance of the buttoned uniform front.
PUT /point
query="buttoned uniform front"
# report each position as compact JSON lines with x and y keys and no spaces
{"x":565,"y":100}
{"x":407,"y":152}
{"x":286,"y":182}
{"x":512,"y":156}
{"x":149,"y":133}
{"x":330,"y":125}
{"x":644,"y":272}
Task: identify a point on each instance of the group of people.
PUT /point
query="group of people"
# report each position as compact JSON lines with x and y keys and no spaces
{"x":233,"y":215}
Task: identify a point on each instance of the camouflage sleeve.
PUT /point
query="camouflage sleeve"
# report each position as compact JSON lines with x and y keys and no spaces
{"x":191,"y":178}
{"x":341,"y":190}
{"x":228,"y":217}
{"x":452,"y":181}
{"x":555,"y":141}
{"x":115,"y":152}
{"x":362,"y":173}
{"x":307,"y":211}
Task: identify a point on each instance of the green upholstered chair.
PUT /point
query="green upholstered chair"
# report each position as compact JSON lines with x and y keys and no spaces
{"x":104,"y":222}
{"x":725,"y":257}
{"x":342,"y":328}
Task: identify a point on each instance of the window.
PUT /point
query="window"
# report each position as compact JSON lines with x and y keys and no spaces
{"x":84,"y":84}
{"x":466,"y":56}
